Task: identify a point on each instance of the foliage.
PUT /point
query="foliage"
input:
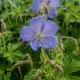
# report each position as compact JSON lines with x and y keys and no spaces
{"x":19,"y":62}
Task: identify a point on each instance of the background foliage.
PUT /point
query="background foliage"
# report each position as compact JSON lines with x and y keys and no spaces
{"x":19,"y":62}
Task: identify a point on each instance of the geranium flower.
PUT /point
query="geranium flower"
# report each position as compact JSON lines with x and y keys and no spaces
{"x":48,"y":6}
{"x":40,"y":33}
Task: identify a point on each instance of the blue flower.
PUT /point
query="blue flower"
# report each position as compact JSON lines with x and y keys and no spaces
{"x":46,"y":5}
{"x":40,"y":33}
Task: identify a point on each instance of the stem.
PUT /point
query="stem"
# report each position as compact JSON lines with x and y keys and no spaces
{"x":43,"y":54}
{"x":7,"y":10}
{"x":63,"y":27}
{"x":4,"y":43}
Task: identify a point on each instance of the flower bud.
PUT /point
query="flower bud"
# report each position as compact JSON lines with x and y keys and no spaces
{"x":3,"y":26}
{"x":20,"y":18}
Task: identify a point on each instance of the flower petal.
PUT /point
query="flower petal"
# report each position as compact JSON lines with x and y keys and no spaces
{"x":46,"y":0}
{"x":36,"y":5}
{"x":35,"y":44}
{"x":50,"y":28}
{"x":36,"y":20}
{"x":49,"y":41}
{"x":27,"y":34}
{"x":55,"y":3}
{"x":37,"y":23}
{"x":52,"y":13}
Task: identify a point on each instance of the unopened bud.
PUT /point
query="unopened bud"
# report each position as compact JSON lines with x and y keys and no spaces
{"x":20,"y":18}
{"x":3,"y":26}
{"x":62,"y":46}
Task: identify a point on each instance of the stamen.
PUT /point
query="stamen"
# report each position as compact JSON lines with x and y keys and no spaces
{"x":45,"y":7}
{"x":39,"y":36}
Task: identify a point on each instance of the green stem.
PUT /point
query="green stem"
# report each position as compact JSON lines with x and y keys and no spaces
{"x":43,"y":53}
{"x":4,"y":43}
{"x":7,"y":10}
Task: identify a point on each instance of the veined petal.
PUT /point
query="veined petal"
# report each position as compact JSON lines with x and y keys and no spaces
{"x":36,"y":5}
{"x":35,"y":44}
{"x":49,"y":41}
{"x":50,"y":28}
{"x":52,"y":12}
{"x":27,"y":34}
{"x":46,"y":0}
{"x":36,"y":20}
{"x":37,"y":23}
{"x":55,"y":3}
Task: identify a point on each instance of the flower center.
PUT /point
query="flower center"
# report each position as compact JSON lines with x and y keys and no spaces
{"x":45,"y":7}
{"x":39,"y":36}
{"x":48,"y":2}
